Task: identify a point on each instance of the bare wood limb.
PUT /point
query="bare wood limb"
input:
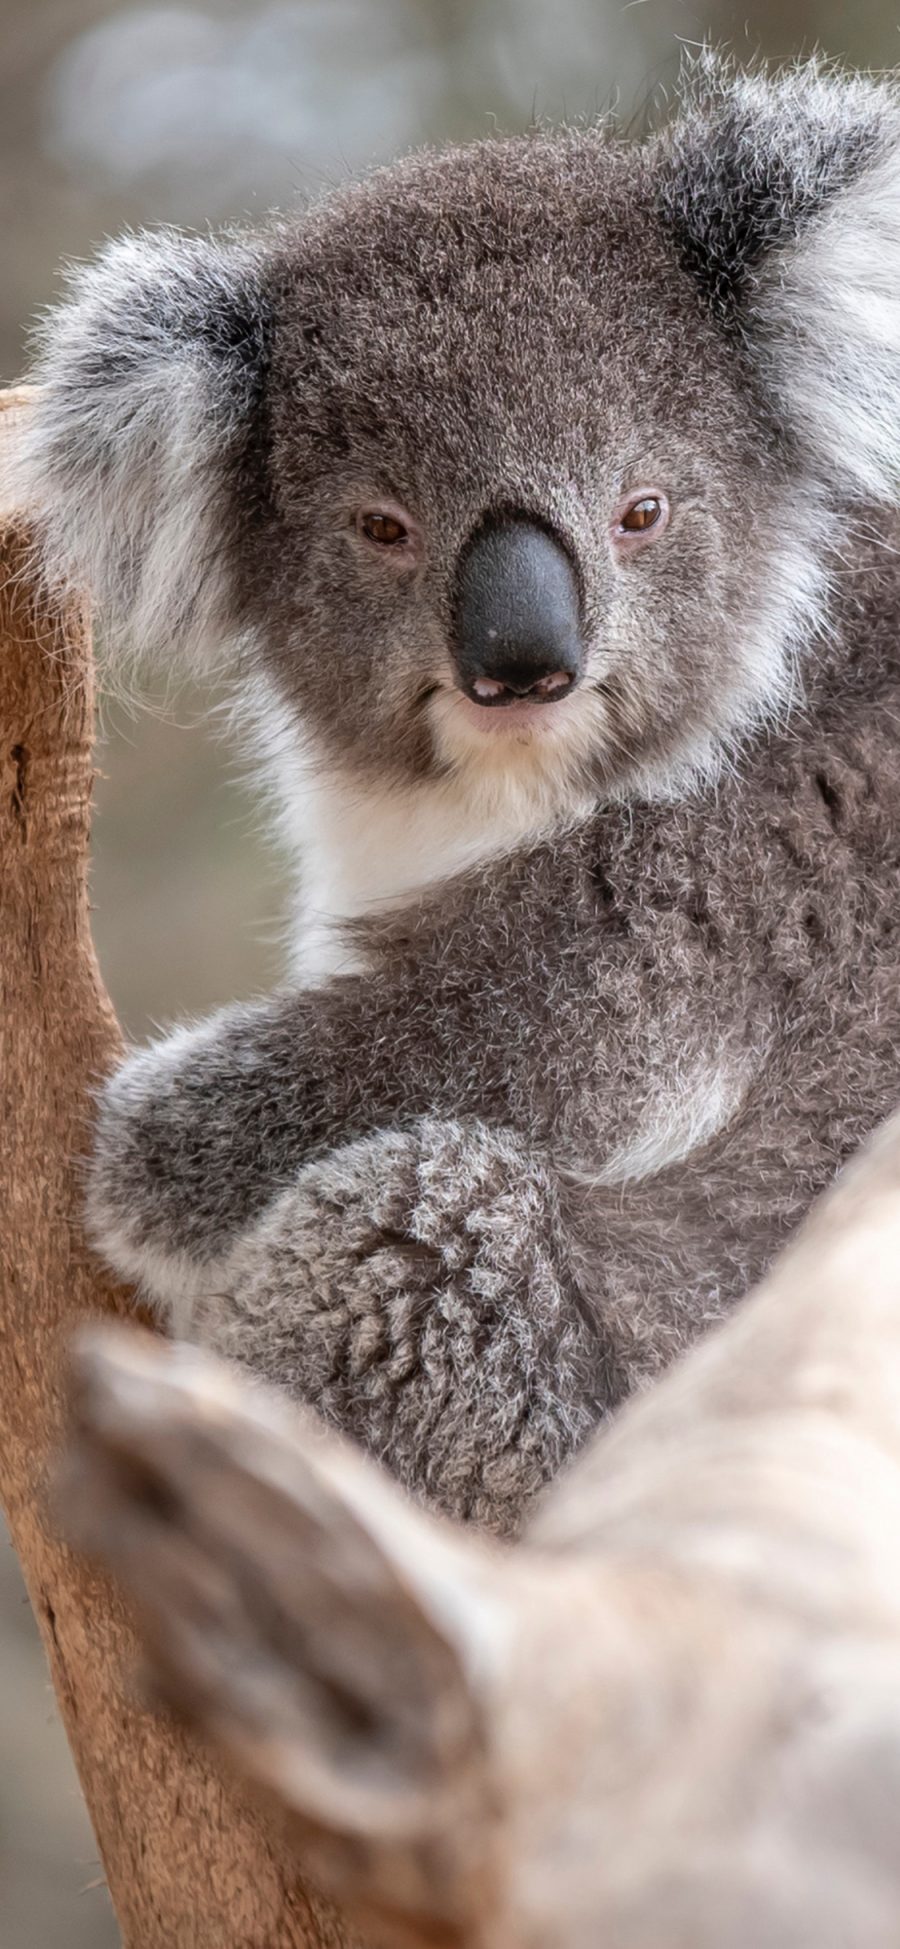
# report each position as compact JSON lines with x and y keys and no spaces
{"x":800,"y":1385}
{"x":273,"y":1623}
{"x":704,"y":1622}
{"x":188,"y":1862}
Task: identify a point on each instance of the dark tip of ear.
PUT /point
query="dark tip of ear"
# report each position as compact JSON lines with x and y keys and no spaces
{"x":751,"y":162}
{"x":237,"y":328}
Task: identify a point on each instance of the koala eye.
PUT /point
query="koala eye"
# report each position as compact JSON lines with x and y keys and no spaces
{"x":643,"y":517}
{"x":386,"y":530}
{"x":388,"y":526}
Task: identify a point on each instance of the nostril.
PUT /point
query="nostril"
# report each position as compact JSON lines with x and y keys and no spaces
{"x":539,"y":690}
{"x":553,"y":684}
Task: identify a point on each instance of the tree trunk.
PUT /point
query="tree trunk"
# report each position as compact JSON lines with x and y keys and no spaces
{"x":187,"y":1859}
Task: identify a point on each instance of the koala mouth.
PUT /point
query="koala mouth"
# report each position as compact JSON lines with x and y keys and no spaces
{"x":511,"y":713}
{"x":493,"y":693}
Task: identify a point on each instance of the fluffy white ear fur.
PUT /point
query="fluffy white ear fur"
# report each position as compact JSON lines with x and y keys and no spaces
{"x":782,"y":194}
{"x":148,"y":374}
{"x":825,"y":317}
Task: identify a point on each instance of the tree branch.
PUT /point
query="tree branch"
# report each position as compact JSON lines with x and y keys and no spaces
{"x":188,"y":1861}
{"x":705,"y":1614}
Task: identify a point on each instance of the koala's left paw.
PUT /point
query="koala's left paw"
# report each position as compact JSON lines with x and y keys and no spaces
{"x":415,"y":1287}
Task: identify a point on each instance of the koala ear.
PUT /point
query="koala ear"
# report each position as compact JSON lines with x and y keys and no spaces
{"x":783,"y":197}
{"x":334,"y":1640}
{"x":142,"y":454}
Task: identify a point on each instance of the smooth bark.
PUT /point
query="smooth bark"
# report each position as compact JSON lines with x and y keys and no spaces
{"x":187,"y":1858}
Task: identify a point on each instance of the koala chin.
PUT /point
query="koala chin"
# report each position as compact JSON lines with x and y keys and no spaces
{"x":540,"y":497}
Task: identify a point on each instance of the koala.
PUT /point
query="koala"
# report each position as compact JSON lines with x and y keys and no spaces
{"x":540,"y":497}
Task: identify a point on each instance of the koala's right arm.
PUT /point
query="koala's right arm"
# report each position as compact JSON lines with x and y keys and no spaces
{"x":415,"y":1284}
{"x":198,"y":1133}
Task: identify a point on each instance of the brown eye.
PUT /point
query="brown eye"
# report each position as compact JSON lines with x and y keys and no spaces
{"x":640,"y":518}
{"x":641,"y":515}
{"x":388,"y":526}
{"x":384,"y":529}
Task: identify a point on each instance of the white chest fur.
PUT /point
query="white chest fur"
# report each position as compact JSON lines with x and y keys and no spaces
{"x":363,"y":846}
{"x":364,"y":849}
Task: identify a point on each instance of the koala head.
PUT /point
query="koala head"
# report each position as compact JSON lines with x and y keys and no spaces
{"x":519,"y":460}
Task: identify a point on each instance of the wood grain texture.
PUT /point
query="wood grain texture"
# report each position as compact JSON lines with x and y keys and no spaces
{"x":667,"y":1718}
{"x":188,"y":1860}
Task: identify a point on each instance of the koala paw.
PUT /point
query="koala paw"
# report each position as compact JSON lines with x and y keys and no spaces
{"x":414,"y":1287}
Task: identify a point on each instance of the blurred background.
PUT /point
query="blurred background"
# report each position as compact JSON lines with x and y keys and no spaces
{"x":116,"y":115}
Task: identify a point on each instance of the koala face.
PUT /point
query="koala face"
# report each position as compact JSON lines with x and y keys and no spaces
{"x":517,"y":461}
{"x":521,"y":512}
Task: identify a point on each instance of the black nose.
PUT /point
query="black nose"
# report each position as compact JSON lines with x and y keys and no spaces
{"x":517,"y":615}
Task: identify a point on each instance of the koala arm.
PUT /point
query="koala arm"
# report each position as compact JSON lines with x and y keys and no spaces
{"x":197,"y":1133}
{"x":511,"y":1000}
{"x":270,"y":1181}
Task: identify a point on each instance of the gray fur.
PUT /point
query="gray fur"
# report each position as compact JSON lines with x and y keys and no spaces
{"x":416,"y":1285}
{"x":523,"y":1134}
{"x":139,"y":458}
{"x":785,"y":205}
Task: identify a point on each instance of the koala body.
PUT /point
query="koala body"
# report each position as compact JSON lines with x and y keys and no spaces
{"x":540,"y":496}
